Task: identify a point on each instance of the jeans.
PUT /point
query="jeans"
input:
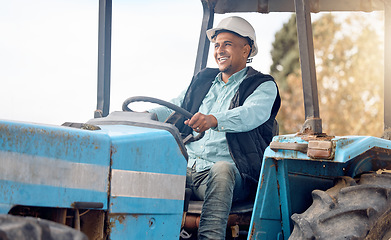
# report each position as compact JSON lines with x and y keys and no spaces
{"x":218,"y":187}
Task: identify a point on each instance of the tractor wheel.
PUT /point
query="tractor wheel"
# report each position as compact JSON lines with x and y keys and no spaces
{"x":29,"y":228}
{"x":350,"y":210}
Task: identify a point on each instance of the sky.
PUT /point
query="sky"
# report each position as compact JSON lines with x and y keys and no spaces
{"x":49,"y":54}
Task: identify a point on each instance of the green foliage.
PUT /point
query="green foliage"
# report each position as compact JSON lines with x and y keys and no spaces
{"x":285,"y":52}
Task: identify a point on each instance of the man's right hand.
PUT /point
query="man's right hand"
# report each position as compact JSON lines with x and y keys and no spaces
{"x":201,"y":122}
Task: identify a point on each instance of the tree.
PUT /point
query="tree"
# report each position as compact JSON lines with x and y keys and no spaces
{"x":286,"y":70}
{"x":285,"y":51}
{"x":349,"y":63}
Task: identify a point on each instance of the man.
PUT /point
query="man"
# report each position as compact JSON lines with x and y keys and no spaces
{"x":236,"y":107}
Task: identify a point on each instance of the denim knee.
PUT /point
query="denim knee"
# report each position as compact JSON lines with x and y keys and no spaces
{"x":223,"y":169}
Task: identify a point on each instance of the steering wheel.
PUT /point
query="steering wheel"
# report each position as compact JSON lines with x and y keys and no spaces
{"x":171,"y":119}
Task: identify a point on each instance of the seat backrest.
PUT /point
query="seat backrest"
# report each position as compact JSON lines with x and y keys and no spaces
{"x":276,"y":128}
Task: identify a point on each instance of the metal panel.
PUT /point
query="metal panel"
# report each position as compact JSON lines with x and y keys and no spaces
{"x":154,"y":158}
{"x":266,"y":216}
{"x":65,"y":165}
{"x":147,"y":183}
{"x":145,"y":227}
{"x":27,"y":169}
{"x":284,"y":190}
{"x":104,"y":58}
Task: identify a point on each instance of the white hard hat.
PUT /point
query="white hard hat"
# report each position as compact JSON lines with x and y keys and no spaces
{"x":237,"y":25}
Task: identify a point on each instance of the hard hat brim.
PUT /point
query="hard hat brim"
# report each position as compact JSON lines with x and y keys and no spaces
{"x":210,"y":33}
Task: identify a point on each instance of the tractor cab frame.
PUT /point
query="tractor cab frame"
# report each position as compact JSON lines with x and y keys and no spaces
{"x":303,"y":10}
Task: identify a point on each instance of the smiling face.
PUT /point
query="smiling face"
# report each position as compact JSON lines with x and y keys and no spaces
{"x":230,"y":52}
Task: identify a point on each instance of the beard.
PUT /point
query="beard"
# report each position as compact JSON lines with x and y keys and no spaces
{"x":225,"y":69}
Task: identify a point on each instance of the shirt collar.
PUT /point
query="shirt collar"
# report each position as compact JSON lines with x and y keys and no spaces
{"x":238,"y":76}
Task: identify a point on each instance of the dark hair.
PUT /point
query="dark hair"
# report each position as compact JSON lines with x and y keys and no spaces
{"x":250,"y":42}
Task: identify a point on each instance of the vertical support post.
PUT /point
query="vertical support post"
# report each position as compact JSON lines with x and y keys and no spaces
{"x":77,"y":219}
{"x":104,"y":58}
{"x":313,"y":123}
{"x":60,"y":215}
{"x":387,"y":64}
{"x":203,"y":45}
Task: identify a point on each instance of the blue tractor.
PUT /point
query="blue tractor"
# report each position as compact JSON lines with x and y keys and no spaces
{"x":314,"y":186}
{"x":122,"y":175}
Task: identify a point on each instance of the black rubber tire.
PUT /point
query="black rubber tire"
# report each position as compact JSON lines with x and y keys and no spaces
{"x":29,"y":228}
{"x":349,"y":210}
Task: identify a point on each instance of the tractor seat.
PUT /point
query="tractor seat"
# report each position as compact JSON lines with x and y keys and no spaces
{"x":195,"y":206}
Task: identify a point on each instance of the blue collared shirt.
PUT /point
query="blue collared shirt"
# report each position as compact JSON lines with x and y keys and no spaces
{"x":213,"y":147}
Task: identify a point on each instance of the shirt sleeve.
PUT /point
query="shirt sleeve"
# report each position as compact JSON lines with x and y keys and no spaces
{"x":164,"y":112}
{"x":255,"y":110}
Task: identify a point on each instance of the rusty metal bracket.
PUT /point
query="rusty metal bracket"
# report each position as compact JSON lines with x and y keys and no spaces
{"x":294,"y":146}
{"x":320,"y":149}
{"x":312,"y":126}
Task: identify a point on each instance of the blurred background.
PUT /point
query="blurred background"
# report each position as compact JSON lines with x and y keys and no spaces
{"x":49,"y":50}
